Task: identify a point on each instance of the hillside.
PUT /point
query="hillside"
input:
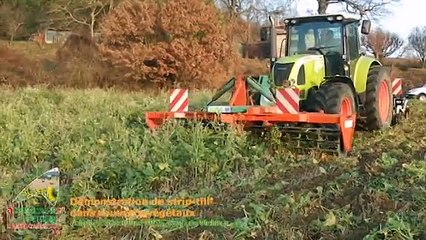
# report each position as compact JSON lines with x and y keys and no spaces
{"x":26,"y":64}
{"x":99,"y":141}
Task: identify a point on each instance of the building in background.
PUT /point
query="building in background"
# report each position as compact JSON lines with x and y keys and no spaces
{"x":51,"y":36}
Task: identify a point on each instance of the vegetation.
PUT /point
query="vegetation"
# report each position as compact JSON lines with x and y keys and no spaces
{"x":382,"y":43}
{"x":62,"y":105}
{"x":101,"y":144}
{"x":178,"y":46}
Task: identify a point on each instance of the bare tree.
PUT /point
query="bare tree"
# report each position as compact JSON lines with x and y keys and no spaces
{"x":373,"y":8}
{"x":251,"y":14}
{"x":233,"y":7}
{"x":256,"y":10}
{"x":11,"y":19}
{"x":83,"y":12}
{"x":417,"y":41}
{"x":382,"y":43}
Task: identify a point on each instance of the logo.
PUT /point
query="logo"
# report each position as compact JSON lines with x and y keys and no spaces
{"x":35,"y":206}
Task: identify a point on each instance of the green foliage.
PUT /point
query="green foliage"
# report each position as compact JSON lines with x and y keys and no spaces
{"x":100,"y":142}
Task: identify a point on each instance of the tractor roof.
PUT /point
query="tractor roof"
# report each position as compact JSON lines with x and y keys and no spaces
{"x":321,"y":17}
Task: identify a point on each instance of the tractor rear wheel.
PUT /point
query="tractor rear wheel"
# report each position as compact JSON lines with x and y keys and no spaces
{"x":379,"y":100}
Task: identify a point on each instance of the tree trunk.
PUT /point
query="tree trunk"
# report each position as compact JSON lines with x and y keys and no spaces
{"x":92,"y":30}
{"x":248,"y":33}
{"x":233,"y":9}
{"x":92,"y":25}
{"x":12,"y":36}
{"x":322,"y":6}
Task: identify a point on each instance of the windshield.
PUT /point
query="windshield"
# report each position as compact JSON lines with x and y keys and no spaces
{"x":324,"y":35}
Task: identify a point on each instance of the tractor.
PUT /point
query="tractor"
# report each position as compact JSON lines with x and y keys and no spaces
{"x":318,"y":90}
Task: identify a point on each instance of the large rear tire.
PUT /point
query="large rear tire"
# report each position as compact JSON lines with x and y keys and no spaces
{"x":379,"y":100}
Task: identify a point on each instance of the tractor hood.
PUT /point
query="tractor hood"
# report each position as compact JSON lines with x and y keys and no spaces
{"x":302,"y":71}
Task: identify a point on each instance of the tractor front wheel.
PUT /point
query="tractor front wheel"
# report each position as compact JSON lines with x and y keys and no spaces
{"x":379,"y":100}
{"x":336,"y":98}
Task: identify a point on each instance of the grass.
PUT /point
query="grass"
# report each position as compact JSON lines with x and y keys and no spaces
{"x":31,"y":49}
{"x":101,"y":144}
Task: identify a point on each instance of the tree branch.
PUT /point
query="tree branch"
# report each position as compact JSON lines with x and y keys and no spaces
{"x":74,"y":18}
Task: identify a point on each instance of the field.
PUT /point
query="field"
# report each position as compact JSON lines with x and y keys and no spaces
{"x":80,"y":106}
{"x":99,"y":140}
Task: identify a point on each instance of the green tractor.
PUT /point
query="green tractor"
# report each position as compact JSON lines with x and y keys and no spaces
{"x":323,"y":59}
{"x":336,"y":84}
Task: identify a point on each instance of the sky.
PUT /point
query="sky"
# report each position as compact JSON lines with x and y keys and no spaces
{"x":404,"y":16}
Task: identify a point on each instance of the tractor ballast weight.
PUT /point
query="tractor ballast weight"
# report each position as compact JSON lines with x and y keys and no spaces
{"x":314,"y":90}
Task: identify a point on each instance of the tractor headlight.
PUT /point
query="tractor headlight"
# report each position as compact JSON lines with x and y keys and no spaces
{"x":330,"y":18}
{"x":340,"y":18}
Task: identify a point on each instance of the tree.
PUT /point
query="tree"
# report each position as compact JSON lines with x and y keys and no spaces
{"x":417,"y":41}
{"x":82,"y":12}
{"x":256,"y":10}
{"x":18,"y":18}
{"x":233,"y":7}
{"x":382,"y":43}
{"x":373,"y":8}
{"x":21,"y":18}
{"x":167,"y":43}
{"x":12,"y":18}
{"x":248,"y":15}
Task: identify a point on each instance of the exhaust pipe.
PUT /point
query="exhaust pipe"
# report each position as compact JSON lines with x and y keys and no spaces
{"x":273,"y":41}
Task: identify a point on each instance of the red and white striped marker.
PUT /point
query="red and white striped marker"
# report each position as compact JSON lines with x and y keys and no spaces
{"x":288,"y":100}
{"x":179,"y":101}
{"x":397,"y":86}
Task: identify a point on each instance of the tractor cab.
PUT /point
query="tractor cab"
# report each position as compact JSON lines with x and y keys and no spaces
{"x":333,"y":37}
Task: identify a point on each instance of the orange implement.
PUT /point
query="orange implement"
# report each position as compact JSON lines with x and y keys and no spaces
{"x":346,"y":124}
{"x":283,"y":112}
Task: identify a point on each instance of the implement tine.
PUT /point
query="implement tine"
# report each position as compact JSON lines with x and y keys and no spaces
{"x":320,"y":137}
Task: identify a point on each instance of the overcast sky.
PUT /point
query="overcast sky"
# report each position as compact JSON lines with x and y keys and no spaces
{"x":405,"y":16}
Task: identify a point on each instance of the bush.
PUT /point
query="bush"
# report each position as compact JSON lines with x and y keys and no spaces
{"x":80,"y":65}
{"x":16,"y":70}
{"x":181,"y":42}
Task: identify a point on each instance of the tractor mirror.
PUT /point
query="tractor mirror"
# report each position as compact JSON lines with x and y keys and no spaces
{"x":366,"y":26}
